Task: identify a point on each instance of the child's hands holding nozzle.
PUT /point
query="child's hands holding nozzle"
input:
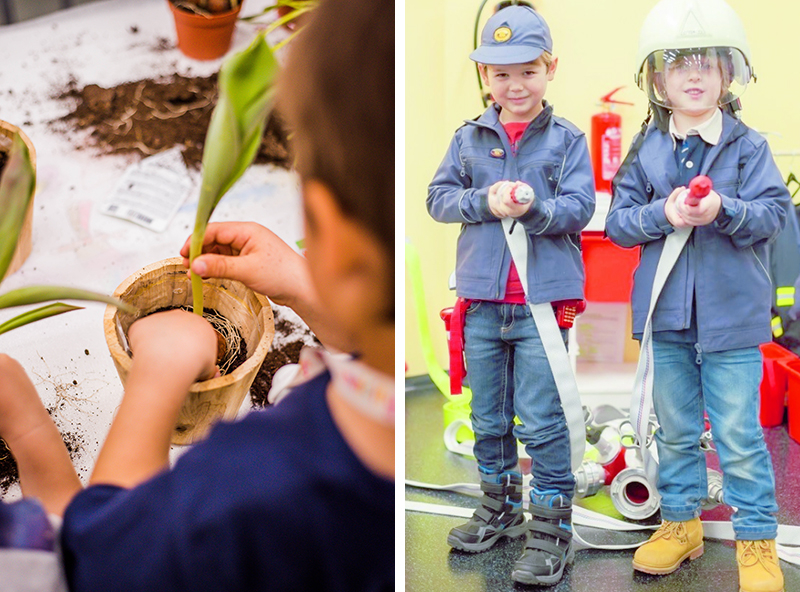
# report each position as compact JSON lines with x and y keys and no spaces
{"x":510,"y":199}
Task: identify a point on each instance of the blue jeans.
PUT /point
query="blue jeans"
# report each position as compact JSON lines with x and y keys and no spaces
{"x":725,"y":384}
{"x":509,"y":375}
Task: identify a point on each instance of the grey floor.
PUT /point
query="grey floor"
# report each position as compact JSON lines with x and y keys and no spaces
{"x":431,"y":566}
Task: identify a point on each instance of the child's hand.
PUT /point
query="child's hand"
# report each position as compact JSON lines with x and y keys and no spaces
{"x":21,"y":409}
{"x":703,"y":213}
{"x":671,"y":210}
{"x":178,"y":342}
{"x":501,"y":203}
{"x":253,"y":255}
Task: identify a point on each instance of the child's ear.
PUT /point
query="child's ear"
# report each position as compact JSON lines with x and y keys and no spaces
{"x":551,"y":71}
{"x":484,"y":73}
{"x":347,"y":263}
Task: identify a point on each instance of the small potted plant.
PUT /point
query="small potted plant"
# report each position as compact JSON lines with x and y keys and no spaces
{"x":23,"y":248}
{"x":204,"y":28}
{"x":234,"y":134}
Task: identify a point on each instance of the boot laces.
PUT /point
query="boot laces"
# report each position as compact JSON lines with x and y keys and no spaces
{"x":757,"y":552}
{"x":669,"y":529}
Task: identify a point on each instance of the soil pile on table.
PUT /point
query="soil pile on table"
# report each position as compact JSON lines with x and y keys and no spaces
{"x":148,"y":116}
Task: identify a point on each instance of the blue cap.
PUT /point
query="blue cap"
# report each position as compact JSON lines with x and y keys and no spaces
{"x":514,"y":35}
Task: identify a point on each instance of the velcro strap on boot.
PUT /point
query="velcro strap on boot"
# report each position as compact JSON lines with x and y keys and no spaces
{"x":550,"y":513}
{"x":537,"y":526}
{"x":484,"y":514}
{"x":492,"y":503}
{"x":493,"y":488}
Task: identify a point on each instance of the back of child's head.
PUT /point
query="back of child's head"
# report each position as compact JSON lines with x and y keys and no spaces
{"x":337,"y":93}
{"x":693,"y":34}
{"x":516,"y":34}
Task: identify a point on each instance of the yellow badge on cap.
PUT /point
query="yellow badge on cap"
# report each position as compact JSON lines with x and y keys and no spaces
{"x":502,"y":34}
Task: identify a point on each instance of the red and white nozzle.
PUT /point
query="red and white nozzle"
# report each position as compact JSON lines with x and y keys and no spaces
{"x":521,"y":193}
{"x":699,"y":187}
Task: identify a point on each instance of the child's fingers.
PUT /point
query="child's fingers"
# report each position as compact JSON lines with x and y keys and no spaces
{"x":221,"y":266}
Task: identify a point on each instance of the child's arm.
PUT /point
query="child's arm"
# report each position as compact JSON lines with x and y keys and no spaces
{"x":759,"y":213}
{"x":45,"y":469}
{"x":171,"y":350}
{"x":574,"y":201}
{"x":255,"y":256}
{"x":634,"y":219}
{"x":451,"y":197}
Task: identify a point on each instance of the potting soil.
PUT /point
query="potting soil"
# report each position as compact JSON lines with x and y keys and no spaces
{"x":148,"y":116}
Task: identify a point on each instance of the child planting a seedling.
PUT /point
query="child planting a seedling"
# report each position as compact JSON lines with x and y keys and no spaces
{"x":271,"y":501}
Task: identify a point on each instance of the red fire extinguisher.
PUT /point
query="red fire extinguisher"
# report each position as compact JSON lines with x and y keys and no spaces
{"x":606,"y":142}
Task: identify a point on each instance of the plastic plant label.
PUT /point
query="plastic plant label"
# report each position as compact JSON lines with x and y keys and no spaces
{"x":150,"y":192}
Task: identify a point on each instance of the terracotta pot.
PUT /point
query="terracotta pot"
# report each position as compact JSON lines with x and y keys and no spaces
{"x":24,"y":243}
{"x":204,"y":37}
{"x":165,"y":284}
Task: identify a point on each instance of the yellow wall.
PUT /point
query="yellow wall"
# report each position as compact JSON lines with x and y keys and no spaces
{"x":596,"y":46}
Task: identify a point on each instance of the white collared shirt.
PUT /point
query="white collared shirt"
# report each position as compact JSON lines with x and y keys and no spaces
{"x":710,"y":130}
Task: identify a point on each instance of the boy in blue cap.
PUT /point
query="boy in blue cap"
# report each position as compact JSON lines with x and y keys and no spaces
{"x":516,"y":139}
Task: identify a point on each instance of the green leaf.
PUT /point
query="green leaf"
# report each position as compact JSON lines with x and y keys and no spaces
{"x":246,"y":93}
{"x":16,"y":191}
{"x":37,"y":294}
{"x":38,"y":314}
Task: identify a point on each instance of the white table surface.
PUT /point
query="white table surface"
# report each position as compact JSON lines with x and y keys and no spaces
{"x":73,"y":243}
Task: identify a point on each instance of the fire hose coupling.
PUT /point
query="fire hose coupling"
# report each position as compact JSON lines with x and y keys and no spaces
{"x":714,"y":498}
{"x":589,"y":479}
{"x":632,"y":494}
{"x":521,"y":193}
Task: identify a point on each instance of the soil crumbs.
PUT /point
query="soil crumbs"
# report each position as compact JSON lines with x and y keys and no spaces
{"x":9,"y":472}
{"x":148,"y":116}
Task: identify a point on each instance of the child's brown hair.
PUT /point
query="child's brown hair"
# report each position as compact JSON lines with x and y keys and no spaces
{"x":339,"y":101}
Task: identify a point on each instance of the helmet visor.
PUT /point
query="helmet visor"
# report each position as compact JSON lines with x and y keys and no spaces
{"x":694,"y":79}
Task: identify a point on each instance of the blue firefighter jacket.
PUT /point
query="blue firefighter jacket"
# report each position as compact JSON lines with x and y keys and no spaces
{"x":724,"y":267}
{"x":552,"y":157}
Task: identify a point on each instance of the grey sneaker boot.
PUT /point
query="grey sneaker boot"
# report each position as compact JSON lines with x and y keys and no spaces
{"x":548,"y":545}
{"x":500,"y":514}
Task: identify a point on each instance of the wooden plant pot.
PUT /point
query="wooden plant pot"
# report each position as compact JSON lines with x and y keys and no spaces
{"x":204,"y":37}
{"x":24,"y":245}
{"x":165,"y":284}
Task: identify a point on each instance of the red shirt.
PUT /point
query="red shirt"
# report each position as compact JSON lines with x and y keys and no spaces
{"x":515,"y":294}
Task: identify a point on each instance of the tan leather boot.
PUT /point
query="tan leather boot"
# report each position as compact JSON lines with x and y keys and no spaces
{"x":759,"y":570}
{"x":670,"y":545}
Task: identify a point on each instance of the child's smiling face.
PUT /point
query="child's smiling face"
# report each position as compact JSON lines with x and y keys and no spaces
{"x":693,"y":83}
{"x":519,"y":88}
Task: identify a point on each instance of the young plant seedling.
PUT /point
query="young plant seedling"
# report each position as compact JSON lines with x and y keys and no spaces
{"x":246,"y":95}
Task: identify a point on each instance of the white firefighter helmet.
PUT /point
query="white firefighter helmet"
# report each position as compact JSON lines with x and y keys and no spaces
{"x":704,"y":35}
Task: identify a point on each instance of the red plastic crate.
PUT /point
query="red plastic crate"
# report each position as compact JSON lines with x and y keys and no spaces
{"x":793,"y":397}
{"x":774,"y":382}
{"x":609,"y":268}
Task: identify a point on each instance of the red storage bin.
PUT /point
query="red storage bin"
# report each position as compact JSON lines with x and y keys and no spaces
{"x":609,"y":268}
{"x":774,"y":383}
{"x":793,"y":396}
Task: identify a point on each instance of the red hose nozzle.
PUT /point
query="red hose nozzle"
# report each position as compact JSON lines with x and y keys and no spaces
{"x":699,"y":187}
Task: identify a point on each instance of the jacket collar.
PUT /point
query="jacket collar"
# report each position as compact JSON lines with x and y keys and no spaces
{"x":657,"y":154}
{"x":491,"y":118}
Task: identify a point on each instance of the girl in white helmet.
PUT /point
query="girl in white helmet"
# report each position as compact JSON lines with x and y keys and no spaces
{"x":714,"y":308}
